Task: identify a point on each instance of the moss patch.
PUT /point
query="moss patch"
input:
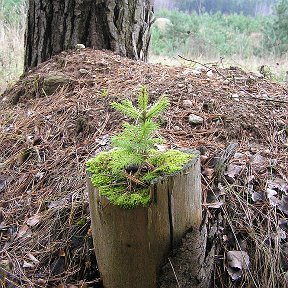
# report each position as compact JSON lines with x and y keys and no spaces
{"x":128,"y":190}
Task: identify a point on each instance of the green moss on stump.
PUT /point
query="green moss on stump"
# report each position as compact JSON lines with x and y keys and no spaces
{"x":112,"y":182}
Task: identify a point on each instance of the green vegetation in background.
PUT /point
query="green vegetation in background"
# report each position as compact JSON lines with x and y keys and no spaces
{"x":10,"y":10}
{"x":12,"y":29}
{"x":276,"y":36}
{"x":207,"y":35}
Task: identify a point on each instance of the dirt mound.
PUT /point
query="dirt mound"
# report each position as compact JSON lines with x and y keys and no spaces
{"x":58,"y":115}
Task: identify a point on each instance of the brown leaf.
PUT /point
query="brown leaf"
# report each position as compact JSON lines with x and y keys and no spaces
{"x":33,"y":258}
{"x":283,"y":204}
{"x":41,"y":282}
{"x":278,"y":183}
{"x":89,"y":232}
{"x":209,"y":172}
{"x":34,"y":220}
{"x":258,"y":196}
{"x":237,"y":262}
{"x":216,"y":205}
{"x":233,"y":171}
{"x":3,"y":182}
{"x":271,"y":195}
{"x":62,"y":253}
{"x":57,"y":203}
{"x":22,"y":231}
{"x":28,"y":265}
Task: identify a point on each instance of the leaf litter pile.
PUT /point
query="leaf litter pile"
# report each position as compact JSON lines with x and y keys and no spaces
{"x":58,"y":116}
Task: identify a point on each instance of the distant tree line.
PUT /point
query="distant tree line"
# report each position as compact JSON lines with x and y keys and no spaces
{"x":277,"y":32}
{"x":247,"y":7}
{"x":223,"y":33}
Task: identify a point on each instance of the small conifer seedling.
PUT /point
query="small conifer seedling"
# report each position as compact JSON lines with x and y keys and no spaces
{"x":137,"y":139}
{"x":124,"y":174}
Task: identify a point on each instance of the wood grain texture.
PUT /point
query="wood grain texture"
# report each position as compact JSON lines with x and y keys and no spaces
{"x":132,"y":245}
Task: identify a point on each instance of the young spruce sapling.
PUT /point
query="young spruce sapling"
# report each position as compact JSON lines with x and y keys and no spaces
{"x":124,"y":174}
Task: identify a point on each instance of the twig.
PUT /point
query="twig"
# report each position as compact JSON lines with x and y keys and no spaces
{"x":190,"y":60}
{"x":133,"y":179}
{"x":178,"y":284}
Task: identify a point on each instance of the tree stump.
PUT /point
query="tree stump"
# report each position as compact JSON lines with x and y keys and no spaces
{"x":132,"y":245}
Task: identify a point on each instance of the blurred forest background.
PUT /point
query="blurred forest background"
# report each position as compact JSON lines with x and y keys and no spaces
{"x":245,"y":33}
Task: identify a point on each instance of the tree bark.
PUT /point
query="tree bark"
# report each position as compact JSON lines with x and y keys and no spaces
{"x":122,"y":26}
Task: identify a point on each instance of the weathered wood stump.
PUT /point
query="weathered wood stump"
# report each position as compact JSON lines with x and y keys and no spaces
{"x":132,"y":245}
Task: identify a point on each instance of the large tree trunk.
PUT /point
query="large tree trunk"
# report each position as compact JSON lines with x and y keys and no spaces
{"x":56,"y":25}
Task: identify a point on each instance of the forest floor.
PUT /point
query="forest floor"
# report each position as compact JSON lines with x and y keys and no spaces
{"x":58,"y":116}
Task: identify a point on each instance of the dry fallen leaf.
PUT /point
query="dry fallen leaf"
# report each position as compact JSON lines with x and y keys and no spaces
{"x":209,"y":172}
{"x":57,"y":203}
{"x":258,"y":160}
{"x":233,"y":171}
{"x":280,"y":233}
{"x":237,"y":263}
{"x":240,"y":158}
{"x":283,"y":224}
{"x":216,"y":205}
{"x":271,"y":195}
{"x":3,"y":183}
{"x":258,"y":196}
{"x":41,"y":282}
{"x":34,"y":220}
{"x":250,"y":179}
{"x":62,"y":253}
{"x":33,"y":258}
{"x":89,"y":232}
{"x":27,"y":265}
{"x":259,"y":163}
{"x":278,"y":183}
{"x":283,"y":204}
{"x":22,"y":231}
